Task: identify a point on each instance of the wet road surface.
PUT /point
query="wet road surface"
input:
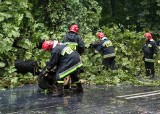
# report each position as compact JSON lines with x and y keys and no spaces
{"x":94,"y":100}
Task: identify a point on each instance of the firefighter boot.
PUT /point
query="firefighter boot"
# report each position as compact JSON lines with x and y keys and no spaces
{"x":59,"y":91}
{"x":79,"y":87}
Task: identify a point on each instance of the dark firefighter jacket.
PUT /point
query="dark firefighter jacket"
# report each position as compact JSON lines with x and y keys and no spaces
{"x":149,"y":49}
{"x":73,"y":40}
{"x":158,"y":44}
{"x":105,"y":47}
{"x":65,"y":59}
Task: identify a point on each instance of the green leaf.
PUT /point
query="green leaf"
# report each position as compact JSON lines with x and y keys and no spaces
{"x":14,"y":80}
{"x":28,"y":55}
{"x":2,"y":64}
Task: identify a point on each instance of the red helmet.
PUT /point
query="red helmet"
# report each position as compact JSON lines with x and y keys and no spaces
{"x":48,"y":45}
{"x":74,"y":28}
{"x":148,"y":35}
{"x":100,"y":35}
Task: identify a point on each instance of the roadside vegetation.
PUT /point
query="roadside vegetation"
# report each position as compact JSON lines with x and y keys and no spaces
{"x":24,"y":23}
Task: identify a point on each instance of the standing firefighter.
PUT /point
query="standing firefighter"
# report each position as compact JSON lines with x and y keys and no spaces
{"x":67,"y":63}
{"x":149,"y":49}
{"x":106,"y":49}
{"x":73,"y":40}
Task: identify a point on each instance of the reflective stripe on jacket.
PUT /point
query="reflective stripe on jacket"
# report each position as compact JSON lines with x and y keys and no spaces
{"x":71,"y":69}
{"x":109,"y":55}
{"x":72,"y":45}
{"x":149,"y":60}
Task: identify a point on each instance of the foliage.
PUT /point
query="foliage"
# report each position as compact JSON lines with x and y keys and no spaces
{"x":24,"y":23}
{"x":135,"y":15}
{"x":17,"y":80}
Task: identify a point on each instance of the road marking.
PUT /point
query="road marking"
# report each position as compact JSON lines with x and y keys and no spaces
{"x":137,"y":95}
{"x":143,"y":96}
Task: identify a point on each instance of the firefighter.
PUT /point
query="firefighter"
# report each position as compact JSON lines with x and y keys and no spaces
{"x":73,"y":40}
{"x":106,"y":49}
{"x":149,"y":49}
{"x":67,"y":62}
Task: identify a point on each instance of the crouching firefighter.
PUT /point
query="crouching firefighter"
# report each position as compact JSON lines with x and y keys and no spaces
{"x":67,"y":63}
{"x":149,"y":49}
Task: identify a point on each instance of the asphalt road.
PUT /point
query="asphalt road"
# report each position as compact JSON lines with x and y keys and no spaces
{"x":95,"y":100}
